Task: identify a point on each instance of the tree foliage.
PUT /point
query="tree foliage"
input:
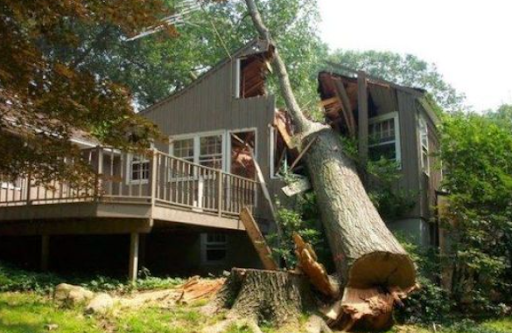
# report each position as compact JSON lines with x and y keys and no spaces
{"x":477,"y":154}
{"x":47,"y":95}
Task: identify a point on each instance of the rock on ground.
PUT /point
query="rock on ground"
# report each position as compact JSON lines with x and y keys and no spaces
{"x":70,"y":295}
{"x":100,"y":304}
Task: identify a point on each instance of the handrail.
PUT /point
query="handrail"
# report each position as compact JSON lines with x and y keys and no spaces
{"x":156,"y":177}
{"x":203,"y":166}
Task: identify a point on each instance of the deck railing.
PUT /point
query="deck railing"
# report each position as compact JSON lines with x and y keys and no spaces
{"x":154,"y":178}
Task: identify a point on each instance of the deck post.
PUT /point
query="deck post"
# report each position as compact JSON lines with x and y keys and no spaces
{"x":153,"y":176}
{"x":134,"y":257}
{"x":99,"y":172}
{"x":219,"y":192}
{"x":45,"y":252}
{"x":27,"y":187}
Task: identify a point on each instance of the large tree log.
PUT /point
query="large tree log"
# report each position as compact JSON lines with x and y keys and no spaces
{"x":365,"y":253}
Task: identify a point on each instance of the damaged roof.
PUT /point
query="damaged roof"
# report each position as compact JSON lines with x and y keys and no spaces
{"x":380,"y":90}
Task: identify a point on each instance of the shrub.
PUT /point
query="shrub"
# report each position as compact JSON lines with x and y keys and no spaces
{"x":302,"y":218}
{"x":13,"y":279}
{"x":431,"y":303}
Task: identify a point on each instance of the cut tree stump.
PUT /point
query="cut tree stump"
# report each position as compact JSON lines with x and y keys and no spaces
{"x":259,"y":295}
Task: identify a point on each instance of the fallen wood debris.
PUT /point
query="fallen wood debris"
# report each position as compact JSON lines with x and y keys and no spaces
{"x":316,"y":273}
{"x":297,"y":186}
{"x":196,"y":288}
{"x":258,"y":240}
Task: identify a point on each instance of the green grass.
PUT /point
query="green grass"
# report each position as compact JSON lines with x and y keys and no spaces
{"x":158,"y":320}
{"x":30,"y":313}
{"x":502,"y":325}
{"x":25,"y":307}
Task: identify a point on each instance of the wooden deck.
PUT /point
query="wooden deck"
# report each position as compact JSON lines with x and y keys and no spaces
{"x":128,"y":197}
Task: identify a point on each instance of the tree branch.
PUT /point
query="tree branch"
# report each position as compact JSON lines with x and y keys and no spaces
{"x":301,"y":123}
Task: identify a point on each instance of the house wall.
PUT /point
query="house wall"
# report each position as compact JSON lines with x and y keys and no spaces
{"x":420,"y":187}
{"x":210,"y":105}
{"x":178,"y":252}
{"x":410,"y":181}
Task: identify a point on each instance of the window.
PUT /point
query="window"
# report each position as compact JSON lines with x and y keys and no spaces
{"x":210,"y":151}
{"x":423,"y":131}
{"x":213,"y":247}
{"x":184,"y":149}
{"x":5,"y":183}
{"x":242,"y":148}
{"x":139,"y":169}
{"x":384,"y":137}
{"x":203,"y":149}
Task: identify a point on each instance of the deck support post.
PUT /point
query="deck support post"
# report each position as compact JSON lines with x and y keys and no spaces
{"x":134,"y":257}
{"x":45,"y":252}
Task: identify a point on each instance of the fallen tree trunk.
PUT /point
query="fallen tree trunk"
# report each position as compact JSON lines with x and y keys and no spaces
{"x":365,"y":252}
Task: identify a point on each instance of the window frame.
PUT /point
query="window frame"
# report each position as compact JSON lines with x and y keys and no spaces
{"x":378,"y":119}
{"x":423,"y":124}
{"x":129,"y":167}
{"x":204,"y":249}
{"x":229,"y":146}
{"x":273,"y":135}
{"x":238,"y":76}
{"x":197,"y":144}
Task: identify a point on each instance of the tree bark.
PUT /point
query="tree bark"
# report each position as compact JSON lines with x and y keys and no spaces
{"x":365,"y":252}
{"x":271,"y":296}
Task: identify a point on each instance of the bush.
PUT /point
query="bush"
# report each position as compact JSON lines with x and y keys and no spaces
{"x":431,"y":303}
{"x":302,"y":218}
{"x":13,"y":279}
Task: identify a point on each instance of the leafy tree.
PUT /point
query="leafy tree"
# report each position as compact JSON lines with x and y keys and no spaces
{"x":46,"y":94}
{"x":155,"y":66}
{"x":223,"y":27}
{"x":477,"y":154}
{"x":503,"y":116}
{"x":407,"y":70}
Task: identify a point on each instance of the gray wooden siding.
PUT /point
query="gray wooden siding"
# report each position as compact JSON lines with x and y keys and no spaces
{"x":210,"y":106}
{"x":433,"y":180}
{"x":409,"y":144}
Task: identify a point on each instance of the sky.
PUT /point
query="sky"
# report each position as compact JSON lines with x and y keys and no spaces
{"x":469,"y":41}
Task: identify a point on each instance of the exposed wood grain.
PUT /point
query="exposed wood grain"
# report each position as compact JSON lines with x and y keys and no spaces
{"x":258,"y":240}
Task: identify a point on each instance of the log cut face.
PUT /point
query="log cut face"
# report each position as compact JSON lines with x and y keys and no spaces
{"x":366,"y":253}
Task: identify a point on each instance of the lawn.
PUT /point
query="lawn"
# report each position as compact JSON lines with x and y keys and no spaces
{"x":26,"y":307}
{"x":27,"y":312}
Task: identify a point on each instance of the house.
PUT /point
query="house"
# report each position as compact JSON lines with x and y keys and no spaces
{"x":397,"y":123}
{"x":176,"y":208}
